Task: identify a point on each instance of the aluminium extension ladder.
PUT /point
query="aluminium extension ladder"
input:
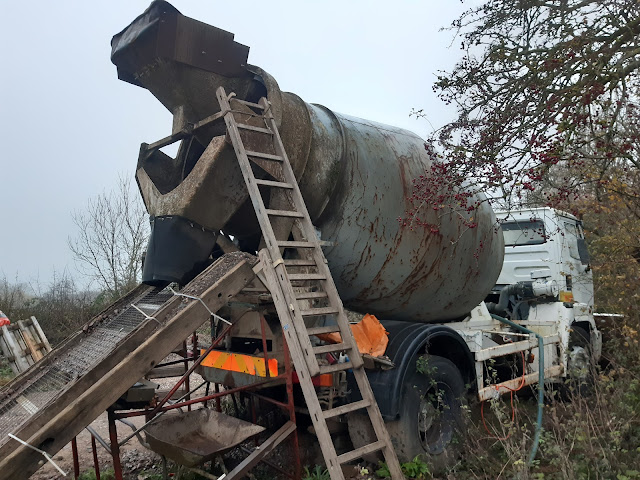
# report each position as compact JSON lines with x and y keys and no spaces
{"x":292,"y":307}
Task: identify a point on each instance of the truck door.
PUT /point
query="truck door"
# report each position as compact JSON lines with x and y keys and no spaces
{"x":574,"y":262}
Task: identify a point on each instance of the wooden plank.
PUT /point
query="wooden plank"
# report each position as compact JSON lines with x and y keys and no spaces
{"x":330,"y":348}
{"x":349,"y":407}
{"x":280,"y":200}
{"x":271,"y":183}
{"x":244,"y":126}
{"x":310,"y":295}
{"x":38,"y":333}
{"x":306,"y":276}
{"x":261,"y":451}
{"x":18,"y":354}
{"x":163,"y":142}
{"x":283,"y":213}
{"x":23,"y":462}
{"x":336,"y":367}
{"x":321,"y":330}
{"x":208,"y":120}
{"x":360,"y":452}
{"x":248,"y":104}
{"x":30,"y":341}
{"x":299,"y":262}
{"x":316,"y":312}
{"x":295,"y":244}
{"x":266,"y":156}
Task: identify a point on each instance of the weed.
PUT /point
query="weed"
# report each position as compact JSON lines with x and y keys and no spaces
{"x":318,"y":473}
{"x":108,"y":474}
{"x":584,"y":437}
{"x":416,"y":468}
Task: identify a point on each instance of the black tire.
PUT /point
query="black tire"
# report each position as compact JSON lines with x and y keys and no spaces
{"x":580,"y":365}
{"x":432,"y":415}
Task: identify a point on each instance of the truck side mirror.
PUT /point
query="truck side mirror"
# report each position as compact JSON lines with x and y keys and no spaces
{"x":583,"y":252}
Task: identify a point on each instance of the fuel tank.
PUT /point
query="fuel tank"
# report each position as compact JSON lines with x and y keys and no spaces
{"x":356,"y":177}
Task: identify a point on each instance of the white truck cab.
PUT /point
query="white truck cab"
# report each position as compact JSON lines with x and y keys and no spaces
{"x":547,"y":246}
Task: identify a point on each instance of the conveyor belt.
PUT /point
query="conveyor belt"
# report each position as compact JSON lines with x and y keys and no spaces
{"x":56,"y":398}
{"x":37,"y":391}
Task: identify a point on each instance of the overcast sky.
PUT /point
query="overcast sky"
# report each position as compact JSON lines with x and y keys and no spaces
{"x":69,"y":126}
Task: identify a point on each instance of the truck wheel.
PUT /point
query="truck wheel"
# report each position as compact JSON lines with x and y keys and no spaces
{"x":431,"y":419}
{"x":579,"y":367}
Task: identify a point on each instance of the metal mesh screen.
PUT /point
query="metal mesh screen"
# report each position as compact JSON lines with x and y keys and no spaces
{"x":89,"y":350}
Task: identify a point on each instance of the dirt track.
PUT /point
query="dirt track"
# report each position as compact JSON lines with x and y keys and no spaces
{"x":134,"y":457}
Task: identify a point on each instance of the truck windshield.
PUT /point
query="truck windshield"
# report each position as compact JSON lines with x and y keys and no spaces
{"x":524,"y":233}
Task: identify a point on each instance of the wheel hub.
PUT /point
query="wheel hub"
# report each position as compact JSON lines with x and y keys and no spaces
{"x":433,"y":430}
{"x":578,"y":363}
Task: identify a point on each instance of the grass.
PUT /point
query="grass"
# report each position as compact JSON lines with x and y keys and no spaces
{"x":592,"y":436}
{"x":415,"y":469}
{"x":316,"y":473}
{"x":108,"y":474}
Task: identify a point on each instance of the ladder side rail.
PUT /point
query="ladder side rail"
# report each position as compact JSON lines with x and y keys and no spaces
{"x":347,"y":337}
{"x":335,"y":301}
{"x":245,"y":166}
{"x":304,"y":376}
{"x":268,"y":234}
{"x":309,"y":231}
{"x":378,"y":423}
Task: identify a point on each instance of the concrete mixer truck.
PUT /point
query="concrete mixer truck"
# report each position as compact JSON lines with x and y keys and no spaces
{"x":459,"y":323}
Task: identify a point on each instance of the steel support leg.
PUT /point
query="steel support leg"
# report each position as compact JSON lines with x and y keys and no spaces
{"x":76,"y":460}
{"x":96,"y":465}
{"x":115,"y":448}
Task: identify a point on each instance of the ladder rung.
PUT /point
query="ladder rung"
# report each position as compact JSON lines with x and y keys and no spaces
{"x":266,"y":156}
{"x":332,"y":347}
{"x":319,"y":311}
{"x":321,"y":330}
{"x":271,"y":183}
{"x":349,"y":407}
{"x":283,"y":213}
{"x":310,"y":295}
{"x":359,"y":452}
{"x":244,"y":126}
{"x":294,"y":244}
{"x":300,"y":263}
{"x":307,"y":276}
{"x":248,"y":104}
{"x":336,"y":367}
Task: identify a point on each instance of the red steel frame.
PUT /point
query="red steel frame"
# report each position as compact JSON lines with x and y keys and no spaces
{"x":149,"y":413}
